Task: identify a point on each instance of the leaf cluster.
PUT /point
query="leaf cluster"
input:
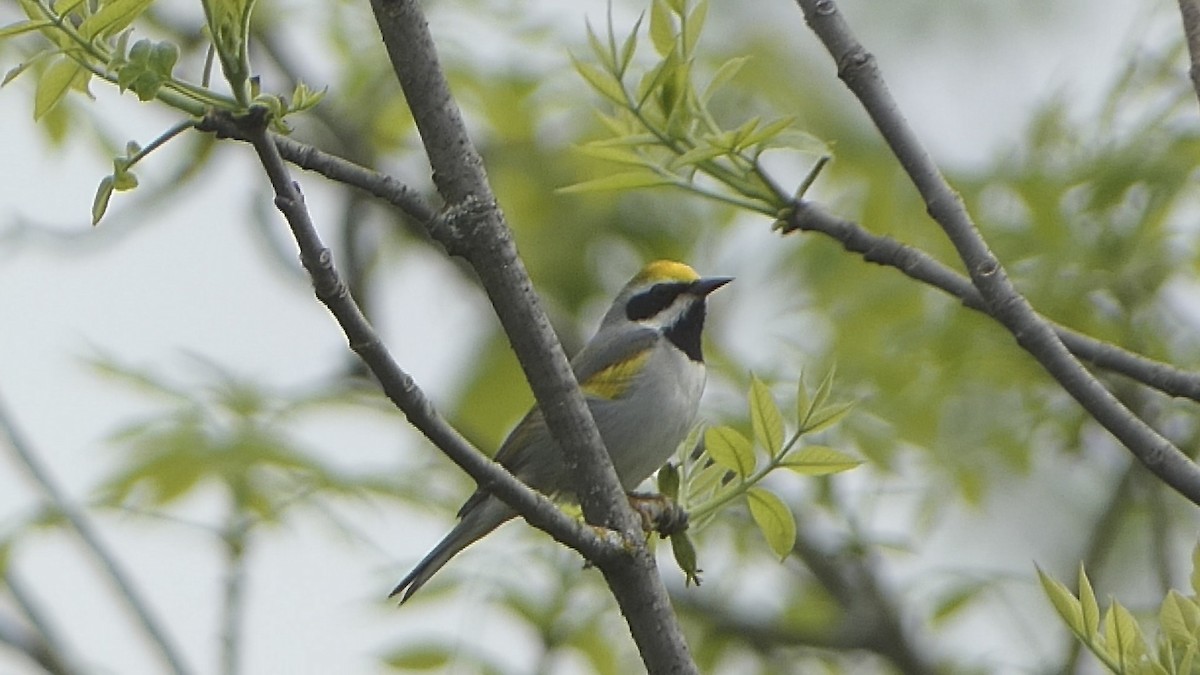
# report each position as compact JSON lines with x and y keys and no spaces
{"x":728,"y":468}
{"x":663,"y":127}
{"x":1117,"y":639}
{"x":89,"y":41}
{"x":228,"y":433}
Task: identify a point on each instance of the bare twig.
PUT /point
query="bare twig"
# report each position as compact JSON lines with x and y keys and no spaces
{"x":869,"y":618}
{"x":857,"y":68}
{"x":397,"y":384}
{"x":235,"y":538}
{"x":171,"y":657}
{"x":474,"y":227}
{"x":42,"y":644}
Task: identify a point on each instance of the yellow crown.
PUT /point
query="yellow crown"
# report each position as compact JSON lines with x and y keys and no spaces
{"x":665,"y":270}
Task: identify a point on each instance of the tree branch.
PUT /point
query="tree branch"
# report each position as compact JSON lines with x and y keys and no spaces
{"x":473,"y":226}
{"x":79,"y":522}
{"x":857,"y":69}
{"x":869,"y":618}
{"x":42,"y":644}
{"x":805,"y":215}
{"x":397,"y":385}
{"x":917,"y":264}
{"x":1189,"y":11}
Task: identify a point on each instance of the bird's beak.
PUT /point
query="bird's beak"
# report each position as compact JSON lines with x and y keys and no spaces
{"x":703,"y":287}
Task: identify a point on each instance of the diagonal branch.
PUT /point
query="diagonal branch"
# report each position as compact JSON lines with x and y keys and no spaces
{"x":858,"y":70}
{"x":170,"y":654}
{"x":1189,"y":11}
{"x":917,"y":264}
{"x":41,"y":643}
{"x":397,"y":385}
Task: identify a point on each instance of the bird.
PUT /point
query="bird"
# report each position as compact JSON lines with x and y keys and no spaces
{"x":641,"y":375}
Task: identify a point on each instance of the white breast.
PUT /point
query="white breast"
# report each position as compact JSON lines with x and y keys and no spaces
{"x":644,"y":429}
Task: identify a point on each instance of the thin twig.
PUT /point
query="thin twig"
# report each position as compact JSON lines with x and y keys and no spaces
{"x":43,"y":645}
{"x":126,"y":590}
{"x":869,"y":617}
{"x":857,"y":68}
{"x":396,"y":383}
{"x":233,"y":600}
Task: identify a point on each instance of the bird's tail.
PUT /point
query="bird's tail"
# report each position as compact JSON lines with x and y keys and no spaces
{"x":486,"y":515}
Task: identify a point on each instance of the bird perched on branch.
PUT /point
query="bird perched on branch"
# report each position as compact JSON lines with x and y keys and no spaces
{"x":641,"y":374}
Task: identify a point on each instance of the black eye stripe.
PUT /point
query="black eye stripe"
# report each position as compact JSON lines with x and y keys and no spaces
{"x":653,"y":300}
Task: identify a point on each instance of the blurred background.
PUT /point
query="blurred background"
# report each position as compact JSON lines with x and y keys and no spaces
{"x":171,"y":370}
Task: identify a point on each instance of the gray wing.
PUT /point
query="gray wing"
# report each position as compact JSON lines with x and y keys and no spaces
{"x":603,"y":350}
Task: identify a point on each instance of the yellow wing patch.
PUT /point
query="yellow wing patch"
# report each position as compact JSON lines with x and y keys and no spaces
{"x":665,"y":270}
{"x":613,"y":381}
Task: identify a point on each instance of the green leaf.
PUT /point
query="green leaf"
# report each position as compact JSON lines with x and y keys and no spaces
{"x":615,"y":153}
{"x":668,"y":481}
{"x":1064,"y":602}
{"x":1089,"y":609}
{"x":767,"y":132}
{"x":827,"y":417}
{"x":420,"y":657}
{"x":1122,"y":635}
{"x":113,"y":17}
{"x":162,"y":59}
{"x":803,"y":402}
{"x":824,"y":388}
{"x":657,"y":79}
{"x":100,"y":201}
{"x":23,"y":27}
{"x":765,"y":417}
{"x":730,"y":449}
{"x":124,"y":181}
{"x":1179,"y":619}
{"x":694,"y":26}
{"x":707,"y":480}
{"x":774,"y":520}
{"x":662,"y":28}
{"x":601,"y":81}
{"x":305,"y":97}
{"x":818,"y":460}
{"x":1196,"y":570}
{"x":1170,"y":618}
{"x":54,"y":84}
{"x":599,"y":49}
{"x":685,"y":556}
{"x":629,"y":46}
{"x":725,"y":73}
{"x":630,"y":180}
{"x":697,"y":155}
{"x":15,"y":72}
{"x":950,"y":605}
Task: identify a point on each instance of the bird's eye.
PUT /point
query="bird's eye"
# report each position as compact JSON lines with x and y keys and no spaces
{"x":652,"y":301}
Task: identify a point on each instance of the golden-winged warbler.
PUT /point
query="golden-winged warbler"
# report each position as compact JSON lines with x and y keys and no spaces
{"x":641,"y":374}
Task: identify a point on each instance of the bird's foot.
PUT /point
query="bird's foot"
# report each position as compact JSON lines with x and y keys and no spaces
{"x":659,"y":514}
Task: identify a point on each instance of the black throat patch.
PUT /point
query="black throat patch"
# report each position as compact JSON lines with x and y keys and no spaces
{"x":685,"y":333}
